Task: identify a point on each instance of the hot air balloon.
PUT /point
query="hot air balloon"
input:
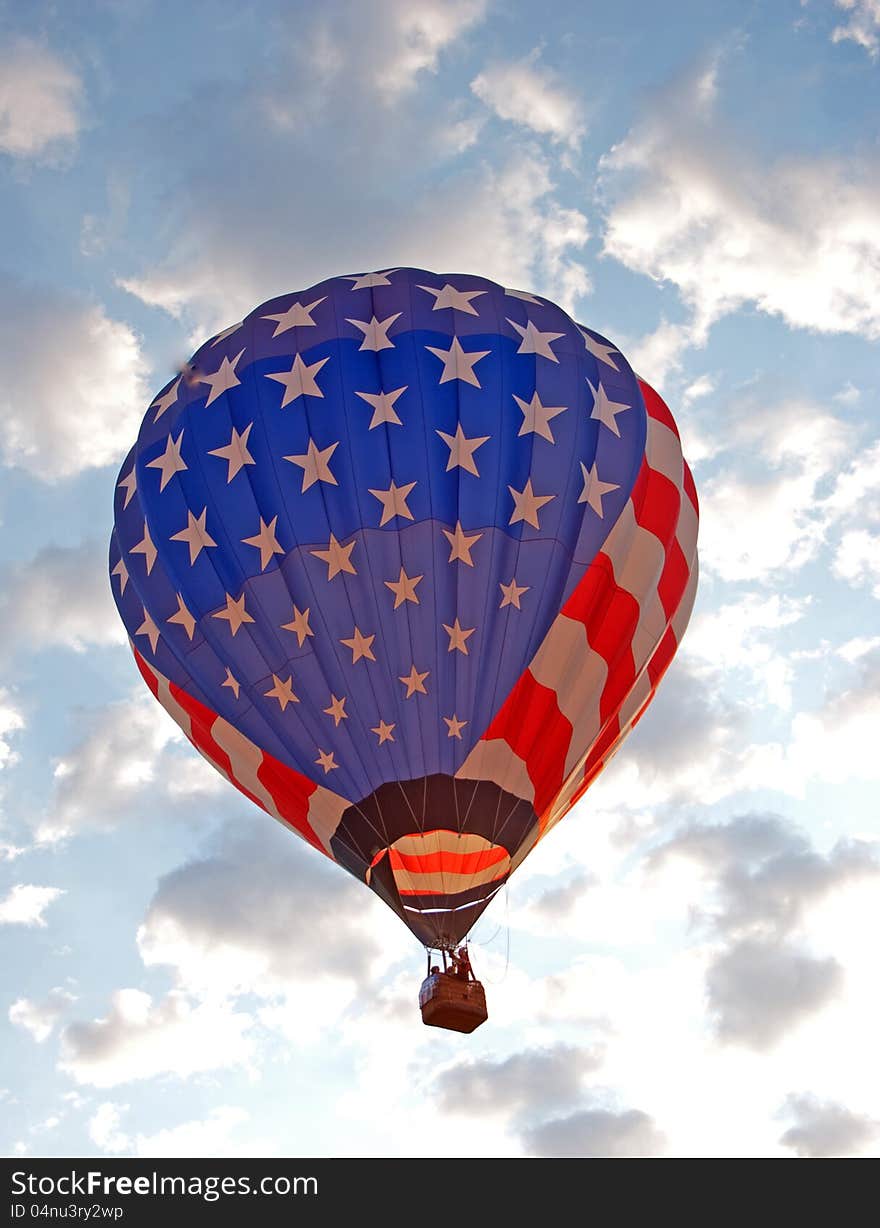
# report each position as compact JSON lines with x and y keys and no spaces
{"x":406,"y":556}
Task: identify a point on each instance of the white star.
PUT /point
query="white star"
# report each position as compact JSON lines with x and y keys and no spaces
{"x":457,"y":364}
{"x":337,"y":557}
{"x":236,"y":452}
{"x":594,"y":489}
{"x":300,"y":380}
{"x":232,"y":682}
{"x":525,"y":296}
{"x":299,"y":625}
{"x":384,"y":732}
{"x":393,"y":502}
{"x":326,"y":760}
{"x":149,"y":629}
{"x":458,"y":637}
{"x":536,"y":417}
{"x":282,"y":691}
{"x":527,"y":505}
{"x":414,"y":682}
{"x":461,"y":450}
{"x":265,"y":541}
{"x":170,"y":462}
{"x":222,"y":379}
{"x":227,"y":332}
{"x":605,"y":411}
{"x":512,"y":593}
{"x":460,"y":544}
{"x":459,"y":300}
{"x":361,"y":646}
{"x":376,"y":332}
{"x":195,"y":535}
{"x":383,"y":406}
{"x":315,"y":464}
{"x":365,"y":281}
{"x":455,"y":726}
{"x":183,"y":617}
{"x":130,"y":483}
{"x":404,"y":588}
{"x":122,"y":571}
{"x":600,"y":351}
{"x":146,"y":548}
{"x":296,"y":316}
{"x":235,"y":613}
{"x":337,"y":709}
{"x":163,"y":403}
{"x":534,"y":341}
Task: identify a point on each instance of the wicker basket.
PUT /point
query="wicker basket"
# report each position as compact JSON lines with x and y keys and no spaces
{"x":449,"y":1001}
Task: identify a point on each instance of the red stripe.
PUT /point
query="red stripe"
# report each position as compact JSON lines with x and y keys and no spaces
{"x":290,"y":792}
{"x":146,"y":673}
{"x":673,"y":580}
{"x":657,"y":503}
{"x":657,"y":407}
{"x":447,"y":863}
{"x":532,"y":725}
{"x":689,"y":488}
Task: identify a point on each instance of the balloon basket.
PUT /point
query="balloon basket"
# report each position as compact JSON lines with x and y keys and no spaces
{"x":451,"y":1002}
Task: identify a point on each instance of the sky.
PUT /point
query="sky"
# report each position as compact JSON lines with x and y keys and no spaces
{"x":687,"y":966}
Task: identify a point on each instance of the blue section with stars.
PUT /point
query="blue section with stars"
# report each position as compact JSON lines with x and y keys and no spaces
{"x":348,"y":524}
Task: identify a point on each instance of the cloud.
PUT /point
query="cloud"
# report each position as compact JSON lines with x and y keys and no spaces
{"x":105,"y":1128}
{"x":142,"y":1038}
{"x":11,"y":722}
{"x":862,"y":25}
{"x":764,"y":877}
{"x":797,"y":238}
{"x":25,"y":904}
{"x":387,"y":45}
{"x":769,"y":487}
{"x":74,"y":386}
{"x":525,"y":93}
{"x":857,"y":559}
{"x":823,"y":1128}
{"x":215,"y":1134}
{"x":131,"y":759}
{"x":40,"y":102}
{"x":595,"y":1133}
{"x":260,"y":930}
{"x":528,"y":1082}
{"x":40,"y":1018}
{"x":758,"y":990}
{"x":59,"y":597}
{"x":259,"y":913}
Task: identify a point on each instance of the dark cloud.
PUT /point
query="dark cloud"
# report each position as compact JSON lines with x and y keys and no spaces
{"x":595,"y":1133}
{"x":759,"y":990}
{"x":261,"y":892}
{"x":59,"y":597}
{"x":766,"y":875}
{"x":526,"y":1083}
{"x":557,"y":903}
{"x":822,"y":1128}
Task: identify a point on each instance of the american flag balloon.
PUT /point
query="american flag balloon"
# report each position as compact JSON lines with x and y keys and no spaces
{"x":406,"y":555}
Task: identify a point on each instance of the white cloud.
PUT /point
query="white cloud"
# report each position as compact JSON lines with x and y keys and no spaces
{"x":596,"y":1132}
{"x":74,"y":386}
{"x":40,"y":101}
{"x":797,"y":238}
{"x":862,"y":26}
{"x":11,"y":722}
{"x":105,"y":1128}
{"x":40,"y":1018}
{"x":525,"y":93}
{"x":132,"y":757}
{"x":25,"y":904}
{"x":60,"y":596}
{"x":140,"y":1038}
{"x":857,"y":559}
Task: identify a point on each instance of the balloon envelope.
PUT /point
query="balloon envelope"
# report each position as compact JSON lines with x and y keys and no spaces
{"x":406,"y":555}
